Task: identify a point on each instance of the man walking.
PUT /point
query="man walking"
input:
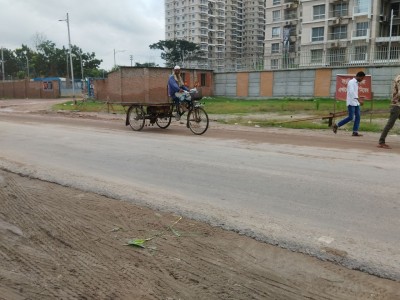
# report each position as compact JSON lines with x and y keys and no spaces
{"x":353,"y":105}
{"x":394,"y":113}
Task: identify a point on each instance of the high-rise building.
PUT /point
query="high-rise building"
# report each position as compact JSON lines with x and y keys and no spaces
{"x":287,"y":34}
{"x":315,"y":33}
{"x":230,"y":32}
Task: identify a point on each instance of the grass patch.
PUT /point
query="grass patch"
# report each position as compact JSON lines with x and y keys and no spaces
{"x":89,"y":106}
{"x":287,"y":112}
{"x":318,"y":106}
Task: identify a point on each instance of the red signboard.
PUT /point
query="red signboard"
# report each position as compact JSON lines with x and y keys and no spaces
{"x":364,"y":87}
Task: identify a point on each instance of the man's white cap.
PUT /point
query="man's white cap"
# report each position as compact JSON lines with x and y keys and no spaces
{"x":177,"y":68}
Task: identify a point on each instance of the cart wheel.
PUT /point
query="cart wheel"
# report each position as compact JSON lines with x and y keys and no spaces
{"x":163,"y":121}
{"x":197,"y":120}
{"x":136,"y":117}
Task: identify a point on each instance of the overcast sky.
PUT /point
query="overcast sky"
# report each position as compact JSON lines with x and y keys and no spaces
{"x":98,"y":26}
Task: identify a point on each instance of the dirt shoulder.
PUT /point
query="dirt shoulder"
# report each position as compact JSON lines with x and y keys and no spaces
{"x":58,"y":242}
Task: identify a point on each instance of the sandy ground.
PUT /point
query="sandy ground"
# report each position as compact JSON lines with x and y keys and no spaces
{"x":61,"y":243}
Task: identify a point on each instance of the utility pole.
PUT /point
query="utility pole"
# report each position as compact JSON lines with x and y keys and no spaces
{"x":70,"y":59}
{"x":2,"y":64}
{"x":27,"y":63}
{"x":80,"y":56}
{"x":131,"y":58}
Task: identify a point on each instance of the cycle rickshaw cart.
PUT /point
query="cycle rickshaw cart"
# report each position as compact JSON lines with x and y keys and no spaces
{"x":140,"y":115}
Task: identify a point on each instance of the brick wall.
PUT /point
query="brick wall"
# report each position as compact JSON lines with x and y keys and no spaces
{"x":18,"y":89}
{"x":146,"y":85}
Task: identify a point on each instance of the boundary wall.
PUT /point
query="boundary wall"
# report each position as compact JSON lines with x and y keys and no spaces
{"x":312,"y":83}
{"x":19,"y":89}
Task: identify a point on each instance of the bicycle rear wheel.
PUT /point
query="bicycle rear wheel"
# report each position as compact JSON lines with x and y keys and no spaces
{"x":136,"y":117}
{"x":163,"y":121}
{"x":197,"y":120}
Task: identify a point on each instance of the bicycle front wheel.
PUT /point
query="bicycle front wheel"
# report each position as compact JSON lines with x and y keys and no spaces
{"x":197,"y":120}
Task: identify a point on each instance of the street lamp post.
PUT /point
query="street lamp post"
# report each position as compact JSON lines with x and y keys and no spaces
{"x":117,"y":51}
{"x":82,"y":80}
{"x":390,"y":34}
{"x":70,"y":59}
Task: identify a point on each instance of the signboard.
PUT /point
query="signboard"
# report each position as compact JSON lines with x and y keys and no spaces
{"x":364,"y":87}
{"x":47,"y":85}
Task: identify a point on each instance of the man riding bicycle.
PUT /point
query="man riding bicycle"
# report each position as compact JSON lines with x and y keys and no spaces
{"x":177,"y":89}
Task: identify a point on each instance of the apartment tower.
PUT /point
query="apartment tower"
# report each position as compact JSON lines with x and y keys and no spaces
{"x":230,"y":32}
{"x":331,"y":33}
{"x":287,"y":34}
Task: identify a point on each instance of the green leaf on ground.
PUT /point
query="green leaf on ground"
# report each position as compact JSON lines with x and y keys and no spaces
{"x":136,"y":243}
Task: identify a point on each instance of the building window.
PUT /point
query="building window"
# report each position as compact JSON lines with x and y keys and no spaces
{"x":340,"y":10}
{"x":319,"y":12}
{"x":275,"y":48}
{"x":317,"y":34}
{"x":362,"y":29}
{"x":203,"y":79}
{"x":276,"y":32}
{"x":290,"y":14}
{"x":276,"y":15}
{"x":362,"y":6}
{"x":274,"y":63}
{"x":337,"y":56}
{"x":360,"y":53}
{"x":316,"y":56}
{"x":339,"y":32}
{"x":276,"y":2}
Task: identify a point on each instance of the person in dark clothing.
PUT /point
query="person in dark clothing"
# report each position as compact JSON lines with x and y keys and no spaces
{"x":394,"y":113}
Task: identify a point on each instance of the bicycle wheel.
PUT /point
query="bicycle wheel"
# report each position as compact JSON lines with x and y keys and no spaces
{"x":163,"y":121}
{"x":136,"y":117}
{"x":197,"y":120}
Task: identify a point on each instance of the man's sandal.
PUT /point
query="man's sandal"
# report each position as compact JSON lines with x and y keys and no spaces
{"x":334,"y":128}
{"x":384,"y":146}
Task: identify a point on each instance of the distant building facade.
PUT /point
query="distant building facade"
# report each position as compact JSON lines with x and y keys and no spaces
{"x":319,"y":33}
{"x":287,"y":34}
{"x":230,"y":32}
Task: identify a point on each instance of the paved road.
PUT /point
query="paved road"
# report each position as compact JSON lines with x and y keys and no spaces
{"x":340,"y":205}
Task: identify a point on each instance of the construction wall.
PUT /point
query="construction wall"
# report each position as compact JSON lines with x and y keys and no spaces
{"x":147,"y":85}
{"x":303,"y":83}
{"x":18,"y":89}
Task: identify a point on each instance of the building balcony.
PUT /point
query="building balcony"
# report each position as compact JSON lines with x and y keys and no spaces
{"x":292,"y":5}
{"x":339,"y":13}
{"x":337,"y":36}
{"x":338,"y":21}
{"x":386,"y":39}
{"x":290,"y":16}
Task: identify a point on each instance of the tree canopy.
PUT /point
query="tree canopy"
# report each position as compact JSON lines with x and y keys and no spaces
{"x":49,"y":61}
{"x":178,"y":52}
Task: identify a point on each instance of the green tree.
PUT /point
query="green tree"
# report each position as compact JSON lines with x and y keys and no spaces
{"x":90,"y":64}
{"x":11,"y":65}
{"x":24,"y":57}
{"x":49,"y":61}
{"x":177,"y":52}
